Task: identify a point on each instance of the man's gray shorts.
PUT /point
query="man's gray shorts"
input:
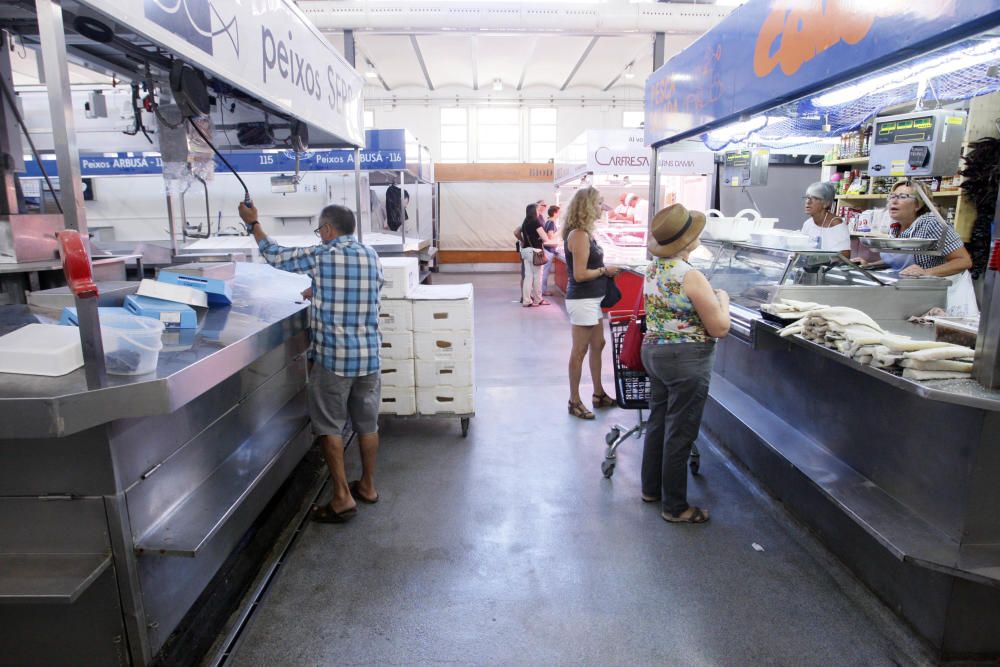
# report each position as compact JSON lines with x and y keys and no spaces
{"x":333,"y":398}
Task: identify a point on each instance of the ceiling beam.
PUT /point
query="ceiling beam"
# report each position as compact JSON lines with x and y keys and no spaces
{"x":368,"y":61}
{"x":527,"y":62}
{"x":579,"y":63}
{"x":420,"y":59}
{"x":625,"y":69}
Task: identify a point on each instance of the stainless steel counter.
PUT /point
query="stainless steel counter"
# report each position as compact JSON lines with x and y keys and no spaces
{"x":897,"y":477}
{"x":162,"y":473}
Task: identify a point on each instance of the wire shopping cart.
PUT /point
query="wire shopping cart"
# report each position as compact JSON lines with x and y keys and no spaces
{"x":632,"y":393}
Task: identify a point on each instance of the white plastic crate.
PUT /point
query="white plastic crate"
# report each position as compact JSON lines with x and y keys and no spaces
{"x":401,"y":275}
{"x":395,"y":315}
{"x":447,"y":373}
{"x":398,"y":401}
{"x":442,"y":307}
{"x":397,"y":373}
{"x":397,"y":346}
{"x":443,"y":345}
{"x":445,"y":400}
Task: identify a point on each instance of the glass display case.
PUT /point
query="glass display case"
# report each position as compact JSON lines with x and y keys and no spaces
{"x":752,"y":275}
{"x":623,"y":244}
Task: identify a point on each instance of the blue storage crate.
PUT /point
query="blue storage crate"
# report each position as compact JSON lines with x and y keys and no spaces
{"x":69,"y":318}
{"x":173,"y":315}
{"x":219,"y":292}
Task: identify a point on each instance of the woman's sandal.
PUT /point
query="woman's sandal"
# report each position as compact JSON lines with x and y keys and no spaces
{"x":603,"y":401}
{"x":577,"y":409}
{"x":326,"y":514}
{"x":696,"y":515}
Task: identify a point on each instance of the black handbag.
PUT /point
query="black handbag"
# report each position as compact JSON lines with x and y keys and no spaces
{"x":612,"y":295}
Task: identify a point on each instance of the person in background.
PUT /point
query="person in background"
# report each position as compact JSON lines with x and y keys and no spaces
{"x":684,"y":316}
{"x":549,"y":246}
{"x":532,"y":233}
{"x":827,"y":230}
{"x":585,"y":289}
{"x":542,"y":207}
{"x":344,"y":380}
{"x":915,"y":221}
{"x":621,"y":210}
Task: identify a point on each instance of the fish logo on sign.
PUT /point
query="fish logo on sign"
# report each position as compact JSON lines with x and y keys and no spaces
{"x":192,"y":20}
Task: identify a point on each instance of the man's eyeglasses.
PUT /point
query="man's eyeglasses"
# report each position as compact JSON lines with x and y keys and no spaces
{"x":901,"y":197}
{"x":317,"y":230}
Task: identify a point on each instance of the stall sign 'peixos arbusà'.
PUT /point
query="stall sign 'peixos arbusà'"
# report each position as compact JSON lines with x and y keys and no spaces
{"x":799,"y":46}
{"x":268,"y":49}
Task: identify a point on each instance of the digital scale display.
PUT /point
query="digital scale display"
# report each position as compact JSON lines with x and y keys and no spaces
{"x":908,"y":131}
{"x":737,"y":158}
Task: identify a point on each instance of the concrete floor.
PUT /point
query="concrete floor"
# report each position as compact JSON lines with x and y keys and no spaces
{"x":509,"y":547}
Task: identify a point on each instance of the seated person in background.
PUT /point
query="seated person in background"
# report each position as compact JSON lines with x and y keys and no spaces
{"x":829,"y":231}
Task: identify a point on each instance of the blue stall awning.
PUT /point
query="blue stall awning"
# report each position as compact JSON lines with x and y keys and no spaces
{"x":780,"y":54}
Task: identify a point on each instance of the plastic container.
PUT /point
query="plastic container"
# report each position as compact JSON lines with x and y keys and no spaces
{"x":41,"y":349}
{"x":132,"y":344}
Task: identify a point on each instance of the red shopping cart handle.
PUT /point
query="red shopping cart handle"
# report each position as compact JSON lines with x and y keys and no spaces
{"x":76,"y":264}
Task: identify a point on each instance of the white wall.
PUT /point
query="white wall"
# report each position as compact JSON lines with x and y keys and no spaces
{"x":424,"y":122}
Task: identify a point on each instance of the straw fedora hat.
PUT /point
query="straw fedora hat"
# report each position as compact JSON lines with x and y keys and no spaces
{"x":673,"y":229}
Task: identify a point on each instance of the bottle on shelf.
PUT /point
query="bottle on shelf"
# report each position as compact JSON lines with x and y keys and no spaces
{"x":866,"y":143}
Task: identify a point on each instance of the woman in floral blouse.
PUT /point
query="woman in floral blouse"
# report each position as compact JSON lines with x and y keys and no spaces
{"x":684,"y":316}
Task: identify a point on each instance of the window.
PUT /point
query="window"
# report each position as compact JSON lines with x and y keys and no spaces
{"x":454,"y":135}
{"x":369,"y":120}
{"x":633,"y":119}
{"x":542,"y":134}
{"x":499,"y":134}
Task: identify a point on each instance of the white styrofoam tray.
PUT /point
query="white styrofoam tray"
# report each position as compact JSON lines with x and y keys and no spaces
{"x":397,"y":373}
{"x":443,"y":345}
{"x":397,"y":346}
{"x":443,"y":373}
{"x":398,"y":401}
{"x":176,"y":293}
{"x":395,"y":315}
{"x":41,"y":349}
{"x":445,"y":400}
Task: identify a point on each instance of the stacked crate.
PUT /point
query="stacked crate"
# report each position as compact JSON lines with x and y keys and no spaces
{"x":396,"y":326}
{"x":443,"y":345}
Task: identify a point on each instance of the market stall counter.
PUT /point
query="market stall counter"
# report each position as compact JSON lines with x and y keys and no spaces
{"x":119,"y":504}
{"x":897,"y":475}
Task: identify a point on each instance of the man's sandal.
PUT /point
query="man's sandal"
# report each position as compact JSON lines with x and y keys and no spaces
{"x":696,"y":515}
{"x":356,"y":492}
{"x":603,"y":401}
{"x":577,"y":409}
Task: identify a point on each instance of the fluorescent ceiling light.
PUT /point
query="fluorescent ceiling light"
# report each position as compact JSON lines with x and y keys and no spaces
{"x":497,"y":84}
{"x":979,"y":54}
{"x":681,"y":77}
{"x":629,"y":74}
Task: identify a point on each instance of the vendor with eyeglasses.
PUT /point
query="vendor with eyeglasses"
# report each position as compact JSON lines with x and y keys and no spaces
{"x":912,"y":219}
{"x":826,"y":229}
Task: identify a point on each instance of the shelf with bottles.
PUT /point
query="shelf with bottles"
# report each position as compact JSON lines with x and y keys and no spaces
{"x":853,"y":148}
{"x":883,"y":197}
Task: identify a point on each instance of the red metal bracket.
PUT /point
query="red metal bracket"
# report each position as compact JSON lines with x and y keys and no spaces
{"x":76,"y":264}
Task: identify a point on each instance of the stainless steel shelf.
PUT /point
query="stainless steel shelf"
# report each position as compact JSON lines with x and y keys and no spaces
{"x":48,"y":578}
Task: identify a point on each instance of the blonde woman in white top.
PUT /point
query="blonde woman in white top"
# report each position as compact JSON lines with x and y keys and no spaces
{"x":828,"y":230}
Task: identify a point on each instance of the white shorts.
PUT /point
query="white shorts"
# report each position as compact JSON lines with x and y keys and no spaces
{"x":584,"y":312}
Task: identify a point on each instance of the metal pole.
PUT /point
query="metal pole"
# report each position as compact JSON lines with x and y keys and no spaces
{"x":659,"y":46}
{"x":350,"y":53}
{"x":987,"y":367}
{"x":357,"y":190}
{"x":172,"y":225}
{"x":53,"y":40}
{"x":402,"y":206}
{"x":10,"y":139}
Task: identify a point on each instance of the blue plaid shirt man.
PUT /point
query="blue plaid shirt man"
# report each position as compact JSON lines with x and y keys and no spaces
{"x":346,"y":281}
